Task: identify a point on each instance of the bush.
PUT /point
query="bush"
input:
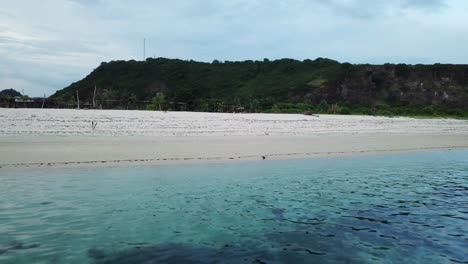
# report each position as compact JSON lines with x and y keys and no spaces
{"x":456,"y":112}
{"x":428,"y":110}
{"x":290,"y":108}
{"x":323,"y":106}
{"x":344,"y":111}
{"x":151,"y":107}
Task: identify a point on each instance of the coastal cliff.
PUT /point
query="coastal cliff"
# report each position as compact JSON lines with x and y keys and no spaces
{"x":285,"y":85}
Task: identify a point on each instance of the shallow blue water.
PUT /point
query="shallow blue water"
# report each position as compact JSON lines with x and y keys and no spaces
{"x":404,"y":208}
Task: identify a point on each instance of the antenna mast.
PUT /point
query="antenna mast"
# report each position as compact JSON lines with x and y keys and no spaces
{"x":144,"y":49}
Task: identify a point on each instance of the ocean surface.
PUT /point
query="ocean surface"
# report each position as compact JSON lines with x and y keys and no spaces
{"x":397,"y":208}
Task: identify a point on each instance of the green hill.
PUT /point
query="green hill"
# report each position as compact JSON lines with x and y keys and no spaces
{"x":285,"y":85}
{"x":8,"y":93}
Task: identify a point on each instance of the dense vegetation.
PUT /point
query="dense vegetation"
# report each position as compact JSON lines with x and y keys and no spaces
{"x":282,"y":86}
{"x":9,"y":93}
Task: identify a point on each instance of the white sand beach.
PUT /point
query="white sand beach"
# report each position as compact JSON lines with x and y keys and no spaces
{"x":63,"y":137}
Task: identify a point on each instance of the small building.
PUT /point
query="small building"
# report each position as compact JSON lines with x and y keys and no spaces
{"x":21,"y":99}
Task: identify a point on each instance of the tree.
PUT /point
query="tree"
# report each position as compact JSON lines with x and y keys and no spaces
{"x":158,"y":101}
{"x":254,"y":105}
{"x":220,"y":106}
{"x":323,"y":106}
{"x":9,"y":92}
{"x":131,"y":100}
{"x":7,"y":99}
{"x":333,"y":109}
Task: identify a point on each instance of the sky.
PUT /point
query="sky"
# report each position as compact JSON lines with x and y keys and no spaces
{"x":46,"y":45}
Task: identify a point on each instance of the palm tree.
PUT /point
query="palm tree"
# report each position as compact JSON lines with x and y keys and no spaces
{"x":131,"y":100}
{"x":158,"y":100}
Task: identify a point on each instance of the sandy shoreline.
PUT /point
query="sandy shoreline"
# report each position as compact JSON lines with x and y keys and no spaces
{"x":76,"y":151}
{"x":64,"y":138}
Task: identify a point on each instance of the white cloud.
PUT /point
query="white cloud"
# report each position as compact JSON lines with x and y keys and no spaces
{"x":46,"y":45}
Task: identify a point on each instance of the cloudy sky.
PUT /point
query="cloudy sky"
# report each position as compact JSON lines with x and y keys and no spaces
{"x":46,"y":45}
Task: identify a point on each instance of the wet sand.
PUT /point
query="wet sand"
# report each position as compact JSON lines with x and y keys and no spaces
{"x":78,"y":151}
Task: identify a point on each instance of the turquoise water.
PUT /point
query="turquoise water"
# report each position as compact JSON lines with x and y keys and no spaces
{"x":404,"y":208}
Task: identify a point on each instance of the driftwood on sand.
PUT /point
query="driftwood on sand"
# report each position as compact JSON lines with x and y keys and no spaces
{"x":93,"y":125}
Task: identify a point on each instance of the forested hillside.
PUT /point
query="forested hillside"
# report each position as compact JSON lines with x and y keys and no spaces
{"x":285,"y":85}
